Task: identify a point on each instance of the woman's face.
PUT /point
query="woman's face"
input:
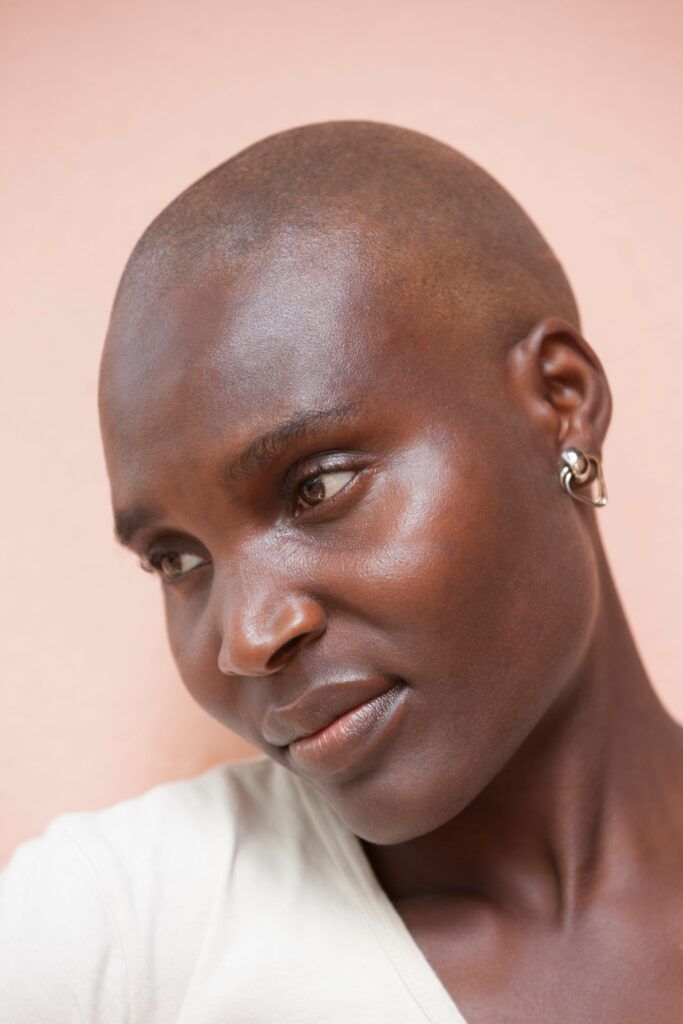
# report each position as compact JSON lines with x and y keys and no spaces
{"x":414,"y":542}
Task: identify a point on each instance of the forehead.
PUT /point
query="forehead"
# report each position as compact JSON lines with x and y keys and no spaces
{"x":304,"y":324}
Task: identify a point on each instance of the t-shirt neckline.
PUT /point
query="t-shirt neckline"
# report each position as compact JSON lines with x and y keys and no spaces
{"x":410,"y":963}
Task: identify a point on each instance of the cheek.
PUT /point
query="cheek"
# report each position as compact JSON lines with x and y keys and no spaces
{"x":488,"y":599}
{"x":490,"y":578}
{"x":195,"y":645}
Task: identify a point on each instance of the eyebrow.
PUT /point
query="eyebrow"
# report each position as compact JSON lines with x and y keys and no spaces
{"x":255,"y":456}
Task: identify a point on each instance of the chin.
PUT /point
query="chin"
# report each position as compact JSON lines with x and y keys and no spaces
{"x":390,"y":830}
{"x":391,"y":813}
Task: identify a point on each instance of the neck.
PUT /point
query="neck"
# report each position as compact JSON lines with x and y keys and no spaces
{"x":588,"y":800}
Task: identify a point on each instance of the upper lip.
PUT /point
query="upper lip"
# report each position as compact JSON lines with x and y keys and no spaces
{"x":319,"y":707}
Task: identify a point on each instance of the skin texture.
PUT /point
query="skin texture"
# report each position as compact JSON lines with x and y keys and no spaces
{"x":524,"y":815}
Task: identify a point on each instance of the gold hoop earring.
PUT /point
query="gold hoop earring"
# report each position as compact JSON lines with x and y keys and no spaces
{"x":581,"y":468}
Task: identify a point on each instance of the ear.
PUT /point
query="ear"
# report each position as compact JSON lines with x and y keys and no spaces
{"x":561,"y":383}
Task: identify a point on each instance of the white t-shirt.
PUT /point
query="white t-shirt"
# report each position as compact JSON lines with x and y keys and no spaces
{"x":234,"y":897}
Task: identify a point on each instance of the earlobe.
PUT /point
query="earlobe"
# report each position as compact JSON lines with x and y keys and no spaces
{"x":562,"y":383}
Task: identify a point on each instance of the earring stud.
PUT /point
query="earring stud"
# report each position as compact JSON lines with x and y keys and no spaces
{"x":580,"y":468}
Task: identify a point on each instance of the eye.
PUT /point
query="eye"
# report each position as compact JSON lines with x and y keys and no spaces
{"x":322,"y":486}
{"x":172,"y":565}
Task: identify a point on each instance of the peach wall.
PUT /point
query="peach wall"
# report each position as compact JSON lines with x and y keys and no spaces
{"x":110,"y":109}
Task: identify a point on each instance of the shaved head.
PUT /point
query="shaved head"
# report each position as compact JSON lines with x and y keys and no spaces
{"x":337,"y":378}
{"x":410,"y":204}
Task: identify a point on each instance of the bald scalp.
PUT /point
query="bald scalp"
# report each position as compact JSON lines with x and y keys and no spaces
{"x":418,"y":207}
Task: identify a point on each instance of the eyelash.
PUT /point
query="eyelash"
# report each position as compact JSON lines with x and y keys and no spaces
{"x":293,"y":481}
{"x":151,"y":562}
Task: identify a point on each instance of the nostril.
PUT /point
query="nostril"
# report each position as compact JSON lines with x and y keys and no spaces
{"x":284,"y":651}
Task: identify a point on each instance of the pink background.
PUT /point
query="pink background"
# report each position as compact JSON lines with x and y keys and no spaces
{"x":110,"y":110}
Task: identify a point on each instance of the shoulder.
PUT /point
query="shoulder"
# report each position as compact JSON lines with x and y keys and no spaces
{"x":181,"y":826}
{"x":194,"y":812}
{"x":61,"y":954}
{"x":104,"y":913}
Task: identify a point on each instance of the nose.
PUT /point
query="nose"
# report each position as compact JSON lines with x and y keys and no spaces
{"x":262,"y":640}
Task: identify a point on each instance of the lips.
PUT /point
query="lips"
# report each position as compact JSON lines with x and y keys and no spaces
{"x":319,"y":707}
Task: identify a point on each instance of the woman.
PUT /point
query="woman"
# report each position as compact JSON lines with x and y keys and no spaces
{"x":351,"y":422}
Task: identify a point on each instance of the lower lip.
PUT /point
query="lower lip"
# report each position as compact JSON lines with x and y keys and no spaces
{"x":351,"y":736}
